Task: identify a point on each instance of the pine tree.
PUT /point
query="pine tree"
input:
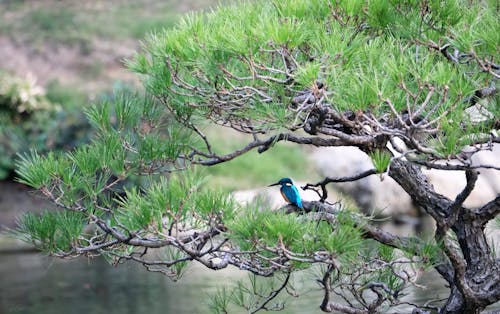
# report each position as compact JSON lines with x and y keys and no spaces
{"x":411,"y":83}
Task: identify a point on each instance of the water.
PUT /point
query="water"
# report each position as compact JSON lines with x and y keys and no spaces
{"x":32,"y":283}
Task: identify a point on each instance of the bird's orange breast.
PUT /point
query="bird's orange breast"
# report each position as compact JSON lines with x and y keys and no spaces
{"x":284,"y":196}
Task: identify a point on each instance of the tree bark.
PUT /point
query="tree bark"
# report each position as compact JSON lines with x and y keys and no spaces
{"x":470,"y":269}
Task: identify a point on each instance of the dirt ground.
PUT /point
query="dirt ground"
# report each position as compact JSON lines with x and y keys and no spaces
{"x":88,"y":72}
{"x":82,"y":44}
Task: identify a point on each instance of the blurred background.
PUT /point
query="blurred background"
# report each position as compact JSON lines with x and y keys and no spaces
{"x":56,"y":57}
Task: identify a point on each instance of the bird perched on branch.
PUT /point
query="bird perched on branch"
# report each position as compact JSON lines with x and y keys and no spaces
{"x":289,"y":192}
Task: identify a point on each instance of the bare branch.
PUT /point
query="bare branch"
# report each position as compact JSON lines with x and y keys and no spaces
{"x":483,"y":93}
{"x":419,"y":188}
{"x":453,"y":166}
{"x":489,"y":211}
{"x":456,"y":206}
{"x":328,"y":180}
{"x":272,"y":295}
{"x":264,"y":145}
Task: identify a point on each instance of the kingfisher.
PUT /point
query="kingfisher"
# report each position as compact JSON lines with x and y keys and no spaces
{"x":289,"y":192}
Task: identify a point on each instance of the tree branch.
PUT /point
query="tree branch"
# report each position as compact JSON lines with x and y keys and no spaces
{"x":483,"y":93}
{"x":408,"y":244}
{"x":273,"y":295}
{"x":329,"y":306}
{"x":327,"y":288}
{"x":450,"y":166}
{"x":328,"y":180}
{"x":264,"y":145}
{"x":488,"y":211}
{"x":455,"y":208}
{"x":413,"y":181}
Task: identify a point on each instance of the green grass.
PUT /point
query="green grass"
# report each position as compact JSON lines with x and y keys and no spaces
{"x":70,"y":23}
{"x":73,"y":23}
{"x":131,"y":21}
{"x":60,"y":24}
{"x":252,"y":169}
{"x":93,"y":27}
{"x":64,"y":95}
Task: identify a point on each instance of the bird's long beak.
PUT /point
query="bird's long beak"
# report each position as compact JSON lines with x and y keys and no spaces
{"x":277,"y":183}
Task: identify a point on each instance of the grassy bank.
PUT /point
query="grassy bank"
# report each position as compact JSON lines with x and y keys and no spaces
{"x":253,"y":169}
{"x":76,"y":48}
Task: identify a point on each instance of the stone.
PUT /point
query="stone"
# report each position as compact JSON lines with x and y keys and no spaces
{"x":382,"y":195}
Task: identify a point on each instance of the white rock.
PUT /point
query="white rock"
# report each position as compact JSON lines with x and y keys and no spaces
{"x":373,"y":194}
{"x":370,"y":193}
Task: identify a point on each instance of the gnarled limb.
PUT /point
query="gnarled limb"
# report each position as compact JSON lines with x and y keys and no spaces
{"x":475,"y":280}
{"x":201,"y":158}
{"x":488,"y":211}
{"x":328,"y":180}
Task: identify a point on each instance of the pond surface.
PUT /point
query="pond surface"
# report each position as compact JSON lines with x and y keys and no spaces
{"x":32,"y":283}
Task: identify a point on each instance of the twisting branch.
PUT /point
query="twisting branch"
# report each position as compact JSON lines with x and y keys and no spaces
{"x":455,"y":207}
{"x":458,"y":58}
{"x":419,"y":188}
{"x":272,"y":295}
{"x":488,"y":211}
{"x":264,"y":145}
{"x":327,"y":305}
{"x":459,"y":266}
{"x":327,"y":288}
{"x":408,"y":244}
{"x":328,"y":180}
{"x":453,"y":166}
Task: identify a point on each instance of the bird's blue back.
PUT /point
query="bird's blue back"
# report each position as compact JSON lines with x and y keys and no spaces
{"x":291,"y":194}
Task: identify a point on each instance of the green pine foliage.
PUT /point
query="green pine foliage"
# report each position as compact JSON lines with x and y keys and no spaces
{"x":52,"y":232}
{"x":122,"y":170}
{"x":164,"y":201}
{"x":258,"y":229}
{"x":133,"y":139}
{"x":230,"y":48}
{"x":381,"y":160}
{"x":133,"y":187}
{"x":363,"y":56}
